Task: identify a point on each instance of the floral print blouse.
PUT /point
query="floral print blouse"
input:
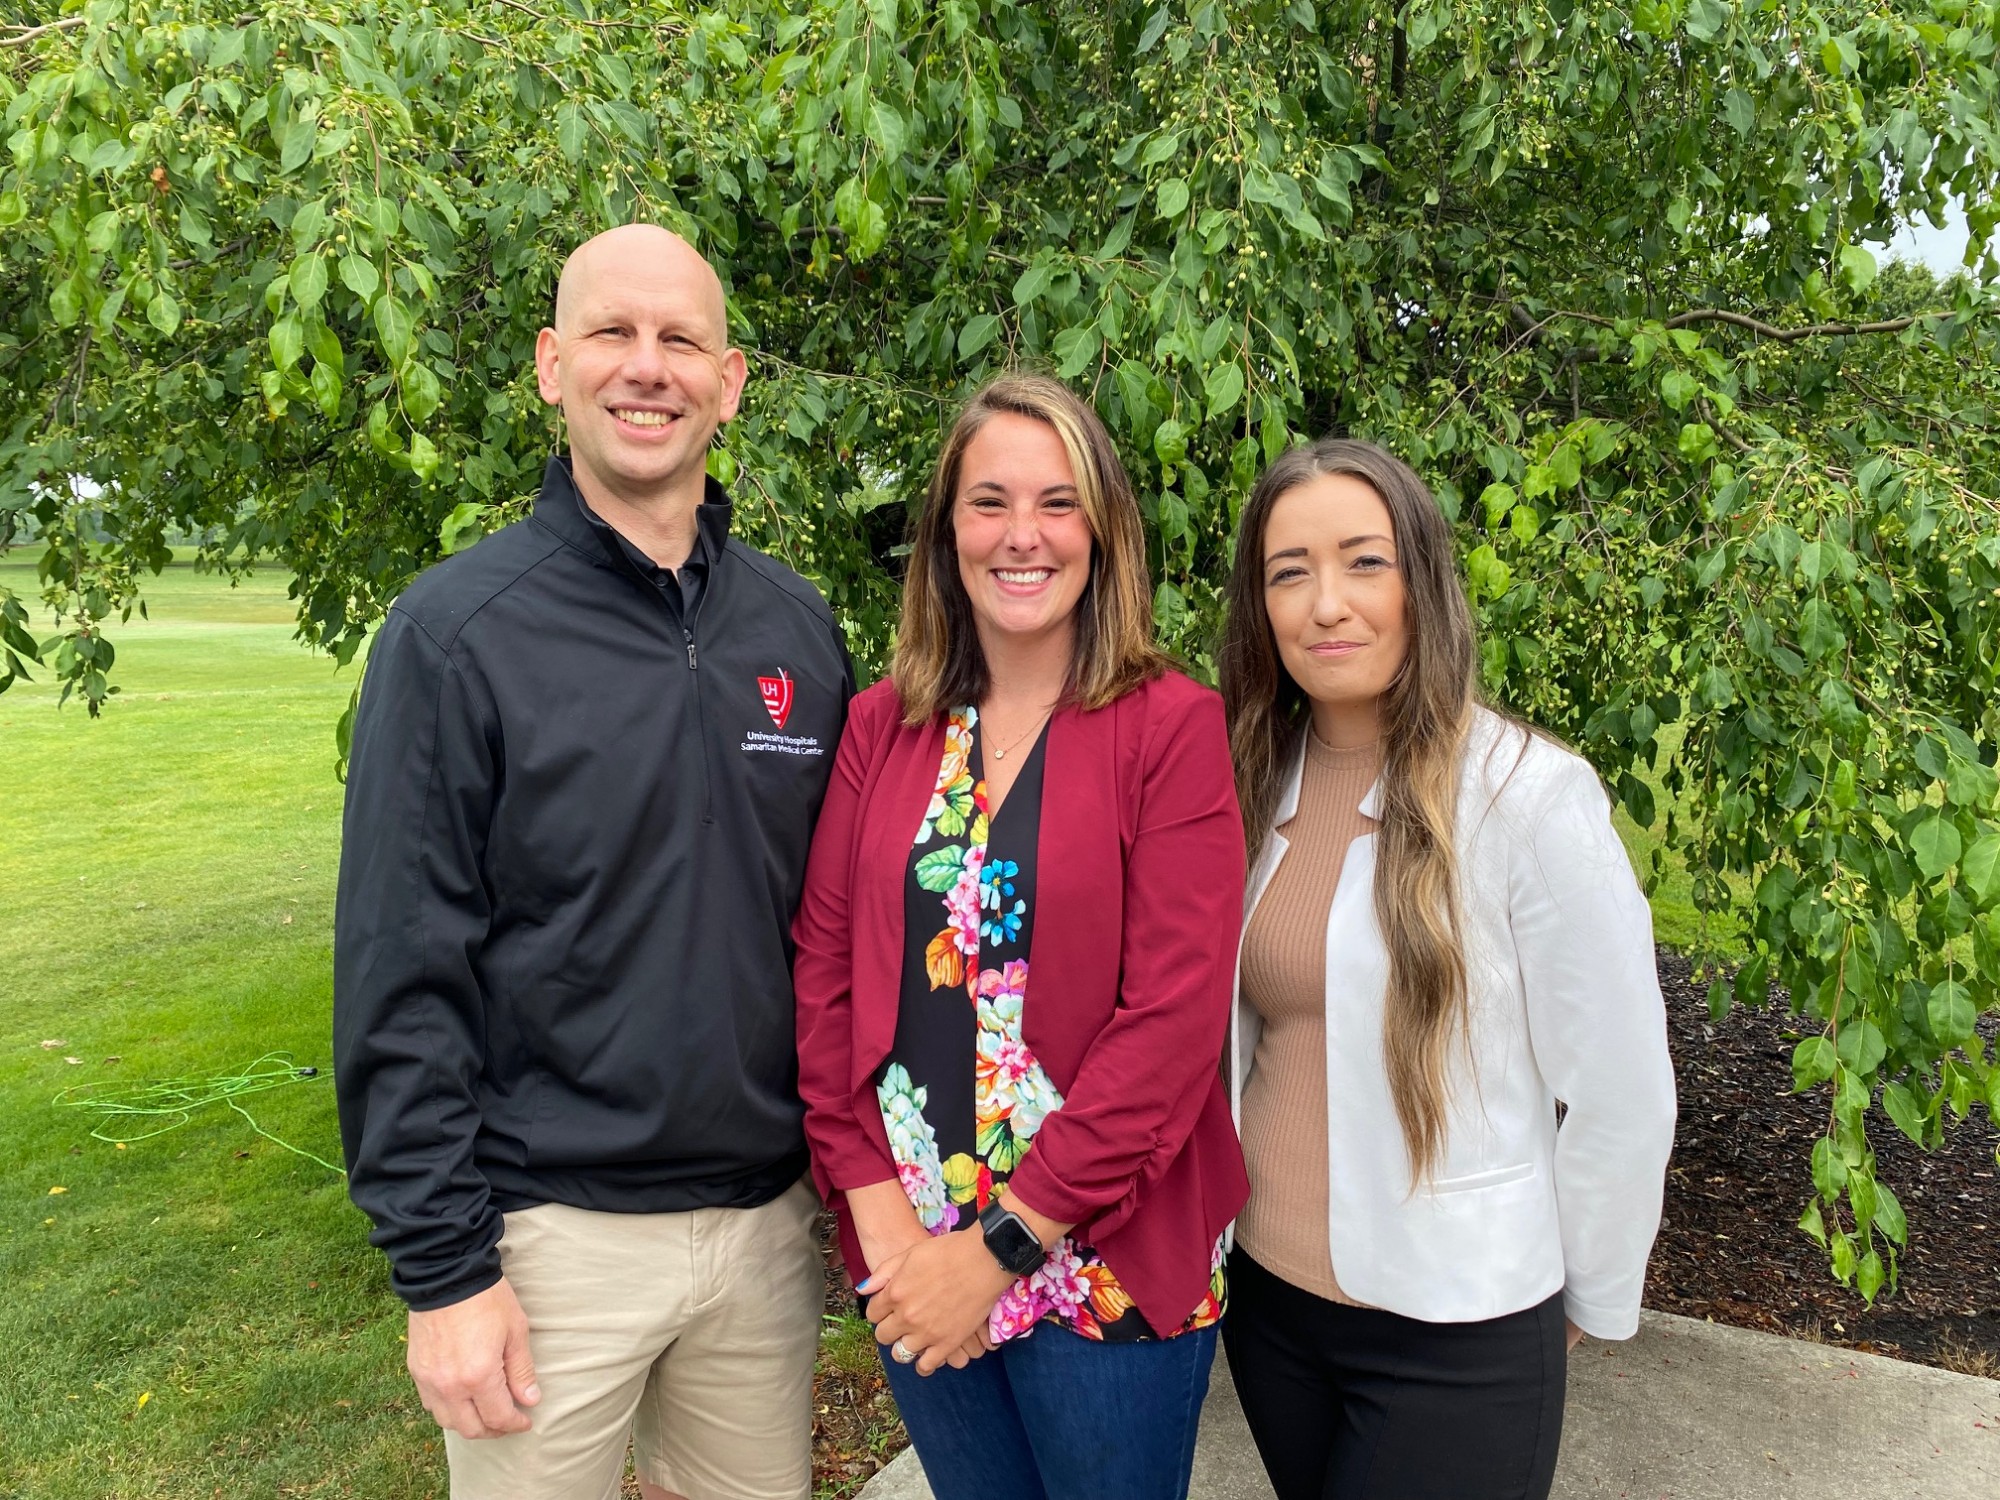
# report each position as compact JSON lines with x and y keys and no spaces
{"x":961,"y":1094}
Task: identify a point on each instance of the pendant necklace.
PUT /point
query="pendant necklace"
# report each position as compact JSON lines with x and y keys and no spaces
{"x":1001,"y":754}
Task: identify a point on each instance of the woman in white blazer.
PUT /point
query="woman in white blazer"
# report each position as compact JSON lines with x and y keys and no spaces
{"x":1443,"y":938}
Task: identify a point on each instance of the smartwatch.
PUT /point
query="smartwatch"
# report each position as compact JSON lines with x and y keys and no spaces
{"x":1010,"y":1239}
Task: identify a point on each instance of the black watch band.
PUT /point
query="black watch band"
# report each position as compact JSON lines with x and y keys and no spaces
{"x":1010,"y":1240}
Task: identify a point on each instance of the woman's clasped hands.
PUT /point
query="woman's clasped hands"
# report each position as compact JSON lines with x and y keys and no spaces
{"x":932,"y":1300}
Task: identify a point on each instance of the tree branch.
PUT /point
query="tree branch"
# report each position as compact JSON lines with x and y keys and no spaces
{"x":220,"y":250}
{"x":1530,"y":327}
{"x":26,"y":34}
{"x":1792,"y":335}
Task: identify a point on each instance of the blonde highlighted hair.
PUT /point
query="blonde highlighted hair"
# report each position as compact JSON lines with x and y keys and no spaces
{"x":938,"y":663}
{"x":1426,"y":715}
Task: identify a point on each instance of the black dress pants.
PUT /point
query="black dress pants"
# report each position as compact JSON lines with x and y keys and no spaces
{"x":1353,"y":1403}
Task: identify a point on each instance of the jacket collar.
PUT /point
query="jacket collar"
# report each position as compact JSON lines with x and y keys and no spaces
{"x":560,"y":507}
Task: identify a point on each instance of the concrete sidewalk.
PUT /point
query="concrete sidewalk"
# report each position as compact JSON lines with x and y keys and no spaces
{"x":1697,"y":1411}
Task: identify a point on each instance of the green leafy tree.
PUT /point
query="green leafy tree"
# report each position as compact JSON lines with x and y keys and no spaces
{"x":1602,"y":272}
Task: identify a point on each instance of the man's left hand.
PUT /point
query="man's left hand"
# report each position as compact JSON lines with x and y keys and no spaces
{"x":937,"y":1297}
{"x":1575,"y":1333}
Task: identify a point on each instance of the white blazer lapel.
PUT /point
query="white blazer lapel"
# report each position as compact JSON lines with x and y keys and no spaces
{"x":1244,"y":1023}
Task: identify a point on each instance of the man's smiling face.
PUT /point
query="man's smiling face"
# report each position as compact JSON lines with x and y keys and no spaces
{"x":640,"y":360}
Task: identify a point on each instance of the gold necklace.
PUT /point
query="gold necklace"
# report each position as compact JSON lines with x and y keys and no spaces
{"x":1001,"y":754}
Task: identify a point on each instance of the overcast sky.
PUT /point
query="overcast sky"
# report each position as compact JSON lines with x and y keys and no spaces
{"x":1943,"y":250}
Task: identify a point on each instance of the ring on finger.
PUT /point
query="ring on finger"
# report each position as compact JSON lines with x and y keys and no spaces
{"x":902,"y":1353}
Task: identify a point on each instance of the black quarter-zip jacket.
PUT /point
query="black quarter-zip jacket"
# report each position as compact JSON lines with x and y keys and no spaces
{"x":575,"y":834}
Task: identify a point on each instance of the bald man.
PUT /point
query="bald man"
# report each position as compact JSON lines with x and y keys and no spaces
{"x":585,"y":769}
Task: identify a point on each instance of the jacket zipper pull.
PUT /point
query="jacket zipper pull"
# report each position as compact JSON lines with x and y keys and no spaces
{"x":689,"y":636}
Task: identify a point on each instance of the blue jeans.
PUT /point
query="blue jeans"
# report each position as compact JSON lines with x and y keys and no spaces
{"x":1056,"y":1416}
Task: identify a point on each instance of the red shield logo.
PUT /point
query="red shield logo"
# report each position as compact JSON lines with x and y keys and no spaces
{"x":777,"y":694}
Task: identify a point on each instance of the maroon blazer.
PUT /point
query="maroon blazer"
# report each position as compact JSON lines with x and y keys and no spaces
{"x":1139,"y":902}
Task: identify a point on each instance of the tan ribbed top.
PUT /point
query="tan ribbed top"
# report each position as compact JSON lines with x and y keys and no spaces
{"x":1284,"y":978}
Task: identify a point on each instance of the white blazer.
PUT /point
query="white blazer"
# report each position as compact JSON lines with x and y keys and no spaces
{"x":1564,"y":1003}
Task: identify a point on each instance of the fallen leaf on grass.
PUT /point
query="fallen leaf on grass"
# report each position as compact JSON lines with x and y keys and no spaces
{"x":144,"y":1397}
{"x":74,"y":1062}
{"x":56,"y":1192}
{"x":50,"y":1046}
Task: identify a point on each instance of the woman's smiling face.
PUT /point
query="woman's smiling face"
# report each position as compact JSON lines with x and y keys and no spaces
{"x":1024,"y":543}
{"x":1333,"y":590}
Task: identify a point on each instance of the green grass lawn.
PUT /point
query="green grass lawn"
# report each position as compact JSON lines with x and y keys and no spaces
{"x":198,"y":1314}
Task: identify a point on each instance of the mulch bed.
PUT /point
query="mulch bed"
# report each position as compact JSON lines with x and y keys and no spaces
{"x":1730,"y":1249}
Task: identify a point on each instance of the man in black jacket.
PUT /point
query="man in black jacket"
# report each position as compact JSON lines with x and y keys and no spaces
{"x":585,"y":770}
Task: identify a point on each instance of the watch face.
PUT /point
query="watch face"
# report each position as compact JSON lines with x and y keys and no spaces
{"x":1013,"y":1244}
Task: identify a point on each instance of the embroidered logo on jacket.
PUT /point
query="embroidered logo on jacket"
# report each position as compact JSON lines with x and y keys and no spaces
{"x":777,"y":693}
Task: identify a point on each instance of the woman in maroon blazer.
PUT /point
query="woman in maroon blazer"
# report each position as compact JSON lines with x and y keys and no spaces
{"x":1033,"y":789}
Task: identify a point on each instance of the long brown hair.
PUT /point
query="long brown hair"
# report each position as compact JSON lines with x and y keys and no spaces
{"x":938,"y":663}
{"x":1426,"y":715}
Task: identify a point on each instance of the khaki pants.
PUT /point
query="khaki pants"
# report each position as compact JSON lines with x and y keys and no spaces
{"x":693,"y":1334}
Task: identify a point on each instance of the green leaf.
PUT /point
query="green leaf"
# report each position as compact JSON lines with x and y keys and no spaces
{"x":630,"y":121}
{"x":1223,"y":389}
{"x":1889,"y":1216}
{"x":1488,"y":575}
{"x":1952,"y":1013}
{"x":1741,"y":112}
{"x":1120,"y":237}
{"x":308,"y":280}
{"x":1980,"y":869}
{"x":1678,"y":388}
{"x":1156,"y":27}
{"x":298,"y":143}
{"x":395,"y":327}
{"x":1812,"y":1062}
{"x":288,"y":343}
{"x":1936,"y":845}
{"x":572,"y":130}
{"x":1075,"y":349}
{"x":1869,"y":1276}
{"x":1857,"y":268}
{"x":307,"y":224}
{"x":1968,"y":783}
{"x":13,"y":208}
{"x":1170,"y":442}
{"x":871,"y":229}
{"x":465,"y":525}
{"x":163,"y":312}
{"x":1819,"y":636}
{"x":1861,"y":1045}
{"x":421,"y":392}
{"x":1032,"y":282}
{"x":423,"y":456}
{"x":1172,"y":199}
{"x":1813,"y":1222}
{"x":1829,"y":1172}
{"x":359,"y":276}
{"x":887,"y":129}
{"x":1904,"y":1110}
{"x":325,"y":384}
{"x":977,"y":333}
